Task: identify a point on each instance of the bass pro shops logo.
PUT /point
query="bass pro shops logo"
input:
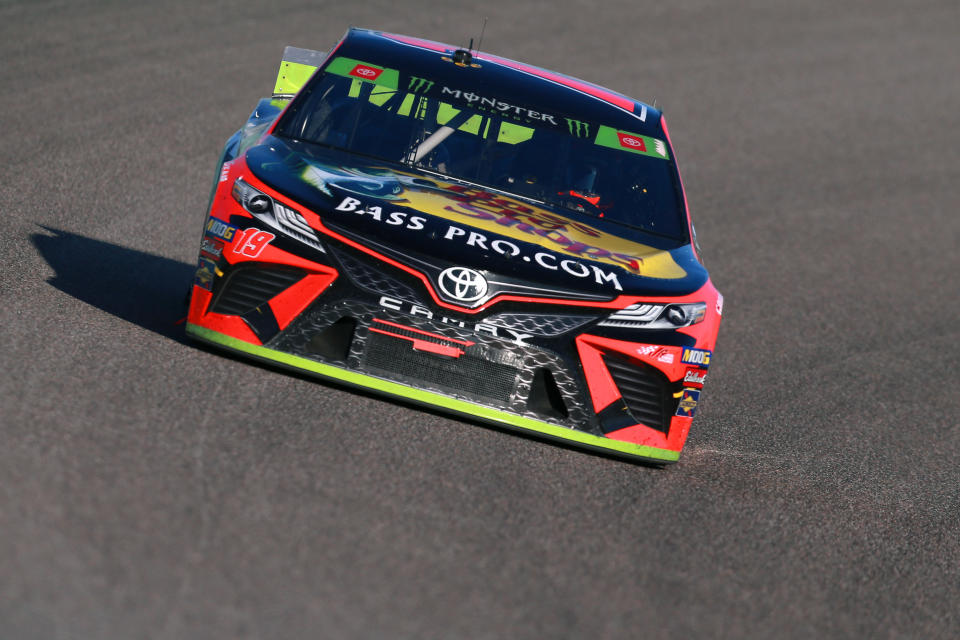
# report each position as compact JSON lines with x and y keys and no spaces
{"x":460,"y":283}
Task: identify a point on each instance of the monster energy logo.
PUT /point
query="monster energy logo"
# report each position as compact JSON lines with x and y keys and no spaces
{"x":419,"y":84}
{"x":578,"y":128}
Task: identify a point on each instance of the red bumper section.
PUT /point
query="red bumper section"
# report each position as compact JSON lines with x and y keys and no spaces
{"x":638,"y":390}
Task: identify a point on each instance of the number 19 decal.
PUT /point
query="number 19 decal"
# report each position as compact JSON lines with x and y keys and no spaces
{"x":251,"y":242}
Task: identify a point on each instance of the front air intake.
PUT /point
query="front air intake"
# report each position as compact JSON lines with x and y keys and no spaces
{"x":646,"y":392}
{"x":545,"y":397}
{"x":248,"y":287}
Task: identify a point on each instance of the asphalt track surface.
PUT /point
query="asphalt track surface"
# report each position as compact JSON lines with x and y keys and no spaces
{"x":150,"y":488}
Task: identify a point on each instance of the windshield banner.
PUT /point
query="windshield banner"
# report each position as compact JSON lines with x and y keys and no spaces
{"x":388,"y":78}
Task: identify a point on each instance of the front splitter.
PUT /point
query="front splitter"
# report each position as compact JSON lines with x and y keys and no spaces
{"x":465,"y":408}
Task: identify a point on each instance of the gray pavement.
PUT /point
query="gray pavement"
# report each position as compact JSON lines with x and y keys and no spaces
{"x":153,"y":489}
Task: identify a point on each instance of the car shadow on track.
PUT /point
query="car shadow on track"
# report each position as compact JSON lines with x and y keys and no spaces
{"x":141,"y":288}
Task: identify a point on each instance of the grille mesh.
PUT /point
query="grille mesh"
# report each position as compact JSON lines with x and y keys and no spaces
{"x":246,"y":288}
{"x":646,"y":392}
{"x":373,"y":280}
{"x":519,"y":361}
{"x":538,"y":324}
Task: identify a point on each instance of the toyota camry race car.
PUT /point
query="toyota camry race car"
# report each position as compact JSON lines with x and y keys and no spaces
{"x":466,"y":232}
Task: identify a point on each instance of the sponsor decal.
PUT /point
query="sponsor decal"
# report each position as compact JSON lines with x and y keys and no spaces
{"x":528,"y":223}
{"x":578,"y":128}
{"x":660,"y":354}
{"x":719,"y":304}
{"x":251,"y":242}
{"x":465,"y":285}
{"x":480,"y":102}
{"x":699,"y":357}
{"x":416,"y":310}
{"x":351,"y":68}
{"x":220,"y":229}
{"x":394,"y":218}
{"x":498,"y":214}
{"x":688,"y":403}
{"x":631,"y":142}
{"x":419,"y":84}
{"x":366,"y":72}
{"x":224,"y":172}
{"x":542,"y":259}
{"x":206,"y":269}
{"x":694,"y":378}
{"x":211,"y":247}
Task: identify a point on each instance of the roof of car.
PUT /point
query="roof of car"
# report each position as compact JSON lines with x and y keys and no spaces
{"x":506,"y":79}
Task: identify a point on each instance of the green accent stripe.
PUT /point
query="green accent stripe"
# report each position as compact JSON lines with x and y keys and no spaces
{"x":435,"y":399}
{"x":343,"y":66}
{"x":653,"y":147}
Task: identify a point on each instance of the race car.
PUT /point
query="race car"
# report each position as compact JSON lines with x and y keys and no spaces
{"x":467,"y":232}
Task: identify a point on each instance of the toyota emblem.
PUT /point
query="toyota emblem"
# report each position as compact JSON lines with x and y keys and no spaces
{"x":460,"y":283}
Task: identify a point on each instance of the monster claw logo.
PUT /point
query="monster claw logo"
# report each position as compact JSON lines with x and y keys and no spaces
{"x":578,"y":128}
{"x":419,"y":84}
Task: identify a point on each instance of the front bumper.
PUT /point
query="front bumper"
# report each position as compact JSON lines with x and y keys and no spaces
{"x":348,"y":322}
{"x":433,"y":399}
{"x":337,"y":311}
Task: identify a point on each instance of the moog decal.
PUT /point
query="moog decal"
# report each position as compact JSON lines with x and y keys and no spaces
{"x":699,"y":357}
{"x":220,"y":229}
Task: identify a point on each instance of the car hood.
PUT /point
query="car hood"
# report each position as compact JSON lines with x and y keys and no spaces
{"x":432,"y":225}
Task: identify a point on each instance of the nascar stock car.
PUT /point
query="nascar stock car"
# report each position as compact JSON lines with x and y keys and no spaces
{"x":466,"y":232}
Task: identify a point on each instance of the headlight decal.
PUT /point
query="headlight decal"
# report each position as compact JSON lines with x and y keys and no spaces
{"x":657,"y":316}
{"x":282,"y":218}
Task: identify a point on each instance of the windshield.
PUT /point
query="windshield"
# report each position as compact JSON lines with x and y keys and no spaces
{"x":593,"y":170}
